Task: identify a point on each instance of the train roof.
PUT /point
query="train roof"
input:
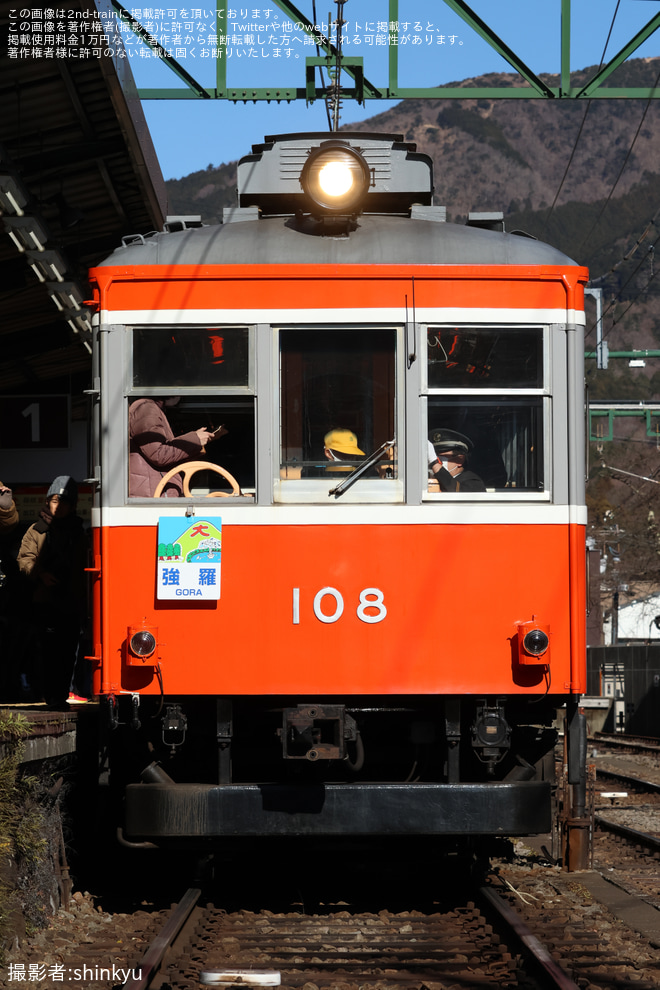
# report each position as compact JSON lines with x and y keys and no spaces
{"x":341,"y":198}
{"x":373,"y":239}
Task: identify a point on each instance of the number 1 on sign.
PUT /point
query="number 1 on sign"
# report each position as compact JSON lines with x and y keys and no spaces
{"x":33,"y":412}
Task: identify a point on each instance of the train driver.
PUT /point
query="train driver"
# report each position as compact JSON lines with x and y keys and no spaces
{"x":154,"y":449}
{"x":448,"y":456}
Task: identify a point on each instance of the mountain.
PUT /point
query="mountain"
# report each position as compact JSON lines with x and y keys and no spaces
{"x":582,"y":175}
{"x":203,"y":193}
{"x":507,"y":155}
{"x":585,"y":177}
{"x":511,"y":154}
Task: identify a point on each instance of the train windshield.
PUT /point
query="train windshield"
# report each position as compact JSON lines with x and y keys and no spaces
{"x":487,"y":394}
{"x":338,"y":404}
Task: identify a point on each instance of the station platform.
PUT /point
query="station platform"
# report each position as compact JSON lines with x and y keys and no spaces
{"x":52,"y":734}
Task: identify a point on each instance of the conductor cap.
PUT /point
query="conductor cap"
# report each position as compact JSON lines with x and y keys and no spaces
{"x":446,"y":440}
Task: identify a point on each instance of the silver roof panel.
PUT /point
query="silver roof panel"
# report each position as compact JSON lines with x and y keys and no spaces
{"x":389,"y":240}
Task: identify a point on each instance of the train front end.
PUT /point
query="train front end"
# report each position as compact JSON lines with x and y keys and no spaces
{"x":310,"y":631}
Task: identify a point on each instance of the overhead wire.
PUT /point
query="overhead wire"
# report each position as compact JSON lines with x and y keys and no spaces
{"x":646,"y":441}
{"x":630,"y":253}
{"x":617,"y":297}
{"x":621,"y":170}
{"x":631,"y":304}
{"x":633,"y":273}
{"x":584,"y":118}
{"x":624,"y":476}
{"x":642,"y":236}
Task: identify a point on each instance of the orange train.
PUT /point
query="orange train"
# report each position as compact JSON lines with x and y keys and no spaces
{"x":351,"y":597}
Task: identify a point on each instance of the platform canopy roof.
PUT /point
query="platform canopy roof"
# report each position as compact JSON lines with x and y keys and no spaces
{"x":78,"y":171}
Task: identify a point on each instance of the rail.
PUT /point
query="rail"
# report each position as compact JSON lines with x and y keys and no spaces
{"x":156,"y":952}
{"x":632,"y":782}
{"x":649,"y":842}
{"x":547,"y":973}
{"x":644,"y":744}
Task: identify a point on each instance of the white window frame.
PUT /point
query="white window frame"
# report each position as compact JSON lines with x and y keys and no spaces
{"x":545,"y":391}
{"x":366,"y":490}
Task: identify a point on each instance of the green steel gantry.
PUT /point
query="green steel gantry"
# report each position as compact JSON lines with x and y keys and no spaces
{"x":603,"y":414}
{"x":362,"y":89}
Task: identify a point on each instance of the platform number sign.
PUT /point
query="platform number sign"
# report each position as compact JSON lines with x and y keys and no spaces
{"x":34,"y":422}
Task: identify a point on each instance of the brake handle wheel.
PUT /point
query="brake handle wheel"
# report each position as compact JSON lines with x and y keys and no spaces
{"x":191,"y":468}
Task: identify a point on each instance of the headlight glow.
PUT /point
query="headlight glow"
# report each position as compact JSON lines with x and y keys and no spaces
{"x":335,"y":179}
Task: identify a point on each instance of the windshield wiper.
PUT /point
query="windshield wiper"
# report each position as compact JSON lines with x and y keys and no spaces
{"x":357,"y":472}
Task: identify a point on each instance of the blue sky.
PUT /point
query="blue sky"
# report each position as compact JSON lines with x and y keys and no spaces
{"x":191,"y":134}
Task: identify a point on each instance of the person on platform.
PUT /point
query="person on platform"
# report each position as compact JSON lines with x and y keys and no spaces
{"x":8,"y":511}
{"x":52,"y":558}
{"x":10,"y":598}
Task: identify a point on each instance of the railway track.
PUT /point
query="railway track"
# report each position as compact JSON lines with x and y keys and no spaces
{"x":638,"y":744}
{"x":532,"y":926}
{"x":629,"y":762}
{"x":630,"y":766}
{"x":646,"y":841}
{"x":486,"y":945}
{"x":634,"y":783}
{"x":508,"y":938}
{"x":627,"y":814}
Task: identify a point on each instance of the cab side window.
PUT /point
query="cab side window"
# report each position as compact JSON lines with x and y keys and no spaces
{"x":486,"y":384}
{"x":186,"y":380}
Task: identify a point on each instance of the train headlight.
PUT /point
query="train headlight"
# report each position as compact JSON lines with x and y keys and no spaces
{"x":142,"y":644}
{"x":490,"y":729}
{"x":491,"y":735}
{"x":534,"y":642}
{"x":335,"y":178}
